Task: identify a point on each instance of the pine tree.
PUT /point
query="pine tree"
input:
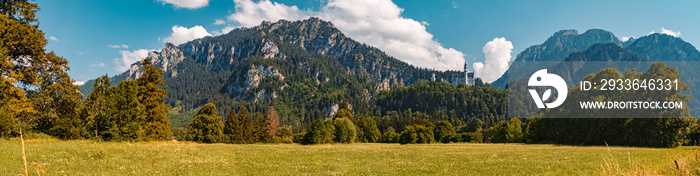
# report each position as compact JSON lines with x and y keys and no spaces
{"x":257,"y":129}
{"x":207,"y":127}
{"x":238,"y":126}
{"x":126,"y":111}
{"x":151,"y":94}
{"x":272,"y":125}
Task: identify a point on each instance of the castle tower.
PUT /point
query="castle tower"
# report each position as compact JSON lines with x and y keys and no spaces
{"x":466,"y":74}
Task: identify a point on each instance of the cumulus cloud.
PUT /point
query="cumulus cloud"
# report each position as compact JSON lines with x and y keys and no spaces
{"x":376,"y":22}
{"x":497,"y":53}
{"x":78,"y":83}
{"x":188,"y":4}
{"x":181,"y":34}
{"x":53,"y":38}
{"x":119,"y":46}
{"x":668,"y":32}
{"x":129,"y":57}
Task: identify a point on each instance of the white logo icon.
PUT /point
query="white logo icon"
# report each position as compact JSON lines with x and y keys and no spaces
{"x":542,"y":78}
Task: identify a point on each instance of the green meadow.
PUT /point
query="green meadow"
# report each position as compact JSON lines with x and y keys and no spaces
{"x":52,"y":157}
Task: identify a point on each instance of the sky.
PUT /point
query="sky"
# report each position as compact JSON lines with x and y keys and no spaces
{"x":105,"y":37}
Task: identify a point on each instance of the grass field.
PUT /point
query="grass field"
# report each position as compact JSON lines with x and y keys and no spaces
{"x":50,"y":157}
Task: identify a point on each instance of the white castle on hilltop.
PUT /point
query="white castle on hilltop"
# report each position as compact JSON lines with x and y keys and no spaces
{"x":457,"y":78}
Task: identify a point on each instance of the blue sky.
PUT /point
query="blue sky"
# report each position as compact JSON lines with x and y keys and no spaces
{"x":447,"y":30}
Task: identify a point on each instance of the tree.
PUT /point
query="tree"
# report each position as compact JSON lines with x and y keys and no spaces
{"x":344,"y":130}
{"x":126,"y":111}
{"x":207,"y":127}
{"x":390,"y":136}
{"x":272,"y":125}
{"x":96,"y":108}
{"x":319,"y":133}
{"x":444,"y":131}
{"x":26,"y":68}
{"x":368,"y":131}
{"x":343,"y":112}
{"x":508,"y":131}
{"x":237,"y":126}
{"x":151,"y":94}
{"x":420,"y":134}
{"x":257,"y":132}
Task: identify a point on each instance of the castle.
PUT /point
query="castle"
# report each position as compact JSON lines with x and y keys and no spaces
{"x":458,"y":77}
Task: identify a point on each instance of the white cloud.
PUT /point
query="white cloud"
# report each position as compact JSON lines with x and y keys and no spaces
{"x":128,"y":58}
{"x":425,"y":23}
{"x":53,"y":38}
{"x":624,"y":39}
{"x":78,"y":83}
{"x":668,"y":32}
{"x":219,"y":22}
{"x":119,"y":46}
{"x":376,"y":22}
{"x":189,"y":4}
{"x":497,"y":53}
{"x":181,"y":34}
{"x":97,"y":64}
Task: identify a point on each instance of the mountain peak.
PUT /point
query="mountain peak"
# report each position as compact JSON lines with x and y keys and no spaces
{"x":566,"y":32}
{"x":663,"y":47}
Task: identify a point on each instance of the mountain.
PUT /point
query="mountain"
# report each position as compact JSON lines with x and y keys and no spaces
{"x":662,"y":47}
{"x":639,"y":55}
{"x":556,"y":48}
{"x":303,"y":68}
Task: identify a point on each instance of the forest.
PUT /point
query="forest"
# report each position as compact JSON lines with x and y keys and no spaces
{"x":38,"y":96}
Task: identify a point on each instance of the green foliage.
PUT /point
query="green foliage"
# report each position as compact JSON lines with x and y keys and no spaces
{"x":286,"y":135}
{"x":151,"y":94}
{"x":320,"y":132}
{"x":508,"y":131}
{"x":667,"y":129}
{"x":367,"y":130}
{"x":258,"y":129}
{"x":237,"y":126}
{"x":442,"y":101}
{"x":207,"y":127}
{"x":7,"y":123}
{"x":390,"y":136}
{"x":417,"y":134}
{"x":96,"y":111}
{"x":444,"y":131}
{"x":127,"y":112}
{"x":345,"y":130}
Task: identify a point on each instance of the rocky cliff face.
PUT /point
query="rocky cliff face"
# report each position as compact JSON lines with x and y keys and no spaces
{"x":167,"y":59}
{"x":310,"y":59}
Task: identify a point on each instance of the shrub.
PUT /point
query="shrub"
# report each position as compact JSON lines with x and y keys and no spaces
{"x":390,"y":136}
{"x":344,"y":130}
{"x":319,"y":133}
{"x":508,"y":131}
{"x":416,"y":134}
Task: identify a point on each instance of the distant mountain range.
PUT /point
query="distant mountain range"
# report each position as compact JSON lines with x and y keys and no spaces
{"x":573,"y":56}
{"x":305,"y":66}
